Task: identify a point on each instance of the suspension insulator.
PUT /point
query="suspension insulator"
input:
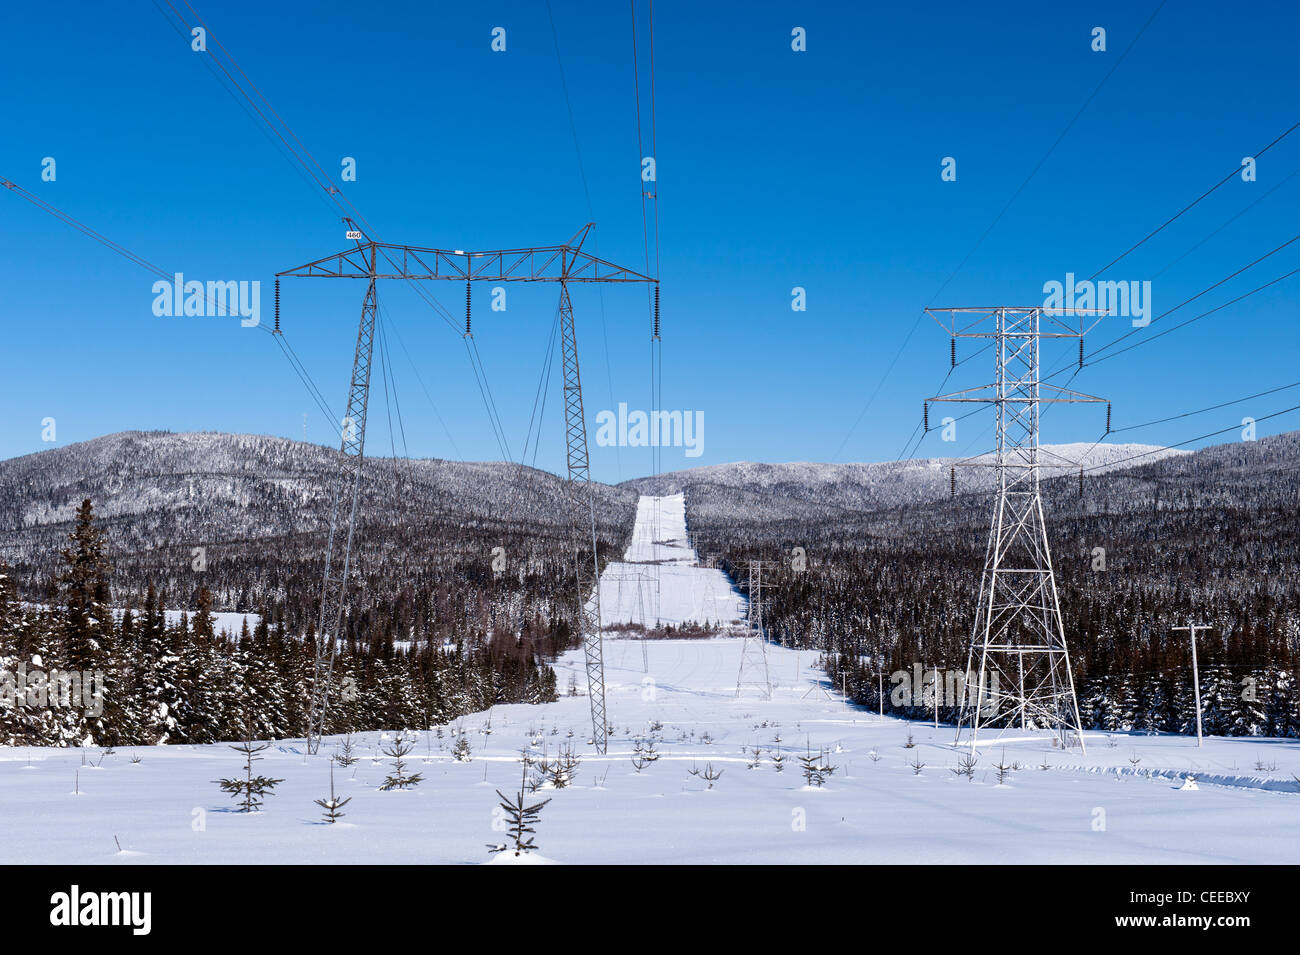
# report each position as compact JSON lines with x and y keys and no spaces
{"x":953,"y":342}
{"x":277,"y":307}
{"x":1080,"y":354}
{"x":1108,"y":417}
{"x":656,"y":334}
{"x":925,"y":416}
{"x":468,"y":286}
{"x":952,"y":482}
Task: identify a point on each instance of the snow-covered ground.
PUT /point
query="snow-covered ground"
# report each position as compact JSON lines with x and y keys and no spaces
{"x":224,"y":621}
{"x":660,"y":579}
{"x":1095,"y":808}
{"x":1128,"y":800}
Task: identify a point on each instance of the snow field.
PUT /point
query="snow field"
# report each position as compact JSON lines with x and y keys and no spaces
{"x":167,"y":809}
{"x":659,"y":553}
{"x":1128,"y":800}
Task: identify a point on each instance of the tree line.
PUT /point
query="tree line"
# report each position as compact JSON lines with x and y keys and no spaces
{"x":74,"y":671}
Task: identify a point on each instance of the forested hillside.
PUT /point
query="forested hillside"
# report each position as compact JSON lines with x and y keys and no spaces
{"x":1212,"y":537}
{"x":464,"y":586}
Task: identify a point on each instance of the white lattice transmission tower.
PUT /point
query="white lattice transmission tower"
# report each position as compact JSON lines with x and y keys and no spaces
{"x":1018,"y":665}
{"x":754,"y":673}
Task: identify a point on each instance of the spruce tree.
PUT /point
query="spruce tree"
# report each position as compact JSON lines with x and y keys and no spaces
{"x":521,"y":820}
{"x":399,"y":778}
{"x":87,"y":628}
{"x":250,"y":789}
{"x":333,"y":804}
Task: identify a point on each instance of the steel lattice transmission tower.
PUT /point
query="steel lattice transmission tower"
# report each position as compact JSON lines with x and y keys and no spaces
{"x":1018,"y":642}
{"x":753,"y":652}
{"x":565,"y":264}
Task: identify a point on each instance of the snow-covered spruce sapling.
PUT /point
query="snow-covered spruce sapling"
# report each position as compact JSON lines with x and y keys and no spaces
{"x":251,"y":789}
{"x":539,"y":771}
{"x":399,"y":778}
{"x":755,"y":757}
{"x":916,"y":765}
{"x":808,"y":766}
{"x":1003,"y":769}
{"x":332,"y":805}
{"x":461,"y":751}
{"x":815,"y":767}
{"x":521,"y":821}
{"x":911,"y":743}
{"x":825,"y":767}
{"x":561,"y":772}
{"x":346,"y":755}
{"x":777,"y":757}
{"x":966,"y":764}
{"x":639,"y":761}
{"x":873,"y":756}
{"x":710,"y":776}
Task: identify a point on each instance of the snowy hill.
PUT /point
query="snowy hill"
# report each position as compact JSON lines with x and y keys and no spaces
{"x":258,"y":484}
{"x":260,"y":507}
{"x":864,"y":486}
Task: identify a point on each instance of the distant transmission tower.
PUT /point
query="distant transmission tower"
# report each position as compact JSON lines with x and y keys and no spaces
{"x":1018,"y":638}
{"x":753,"y":652}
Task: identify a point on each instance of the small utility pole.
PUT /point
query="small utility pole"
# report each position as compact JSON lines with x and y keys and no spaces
{"x":1191,"y":629}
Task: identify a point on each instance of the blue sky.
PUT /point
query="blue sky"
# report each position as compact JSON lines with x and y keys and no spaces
{"x":818,"y":169}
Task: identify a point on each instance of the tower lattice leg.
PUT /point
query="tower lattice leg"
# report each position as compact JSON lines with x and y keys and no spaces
{"x":334,"y":585}
{"x":586,"y":575}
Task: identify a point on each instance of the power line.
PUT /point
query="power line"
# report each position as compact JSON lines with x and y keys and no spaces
{"x":1147,"y":341}
{"x":1235,"y":172}
{"x":1149,"y":235}
{"x":117,"y":248}
{"x":1187,"y":301}
{"x":980,"y":241}
{"x":1202,"y":437}
{"x":1188,"y":414}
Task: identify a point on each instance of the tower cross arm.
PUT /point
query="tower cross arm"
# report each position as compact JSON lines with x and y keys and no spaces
{"x":1021,"y":321}
{"x":553,"y":263}
{"x":989,"y":394}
